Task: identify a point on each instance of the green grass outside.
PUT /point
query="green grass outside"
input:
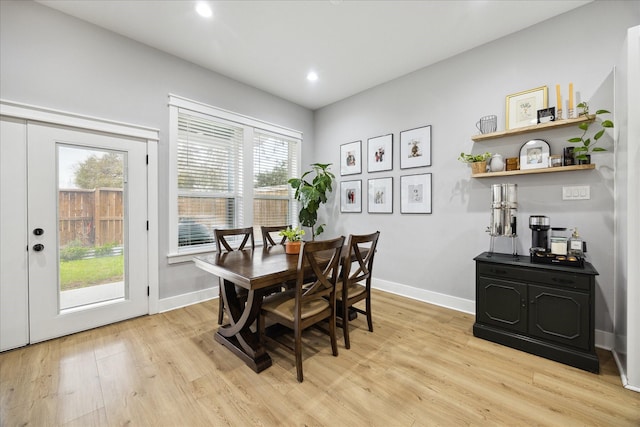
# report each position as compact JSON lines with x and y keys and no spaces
{"x":89,"y":272}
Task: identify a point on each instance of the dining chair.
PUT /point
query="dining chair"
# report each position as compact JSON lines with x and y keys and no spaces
{"x":355,"y":282}
{"x":225,"y":242}
{"x":311,"y":301}
{"x":267,"y":239}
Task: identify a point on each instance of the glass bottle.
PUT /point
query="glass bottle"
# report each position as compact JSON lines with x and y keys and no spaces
{"x":575,"y":244}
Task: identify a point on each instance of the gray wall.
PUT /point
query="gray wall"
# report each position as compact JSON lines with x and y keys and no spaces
{"x":434,"y":252}
{"x":53,"y":60}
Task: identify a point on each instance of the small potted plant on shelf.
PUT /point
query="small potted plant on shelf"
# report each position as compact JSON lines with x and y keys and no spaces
{"x":478,"y":162}
{"x":583,"y":152}
{"x":294,"y":239}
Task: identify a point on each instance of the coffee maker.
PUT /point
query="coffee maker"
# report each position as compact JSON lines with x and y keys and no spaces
{"x":540,"y":226}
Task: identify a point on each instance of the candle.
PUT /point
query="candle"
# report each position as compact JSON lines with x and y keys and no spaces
{"x":558,"y":98}
{"x":570,"y":96}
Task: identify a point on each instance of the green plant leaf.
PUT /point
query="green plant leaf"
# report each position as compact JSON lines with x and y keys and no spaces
{"x":599,"y":149}
{"x":607,"y":124}
{"x":575,"y":140}
{"x":584,"y":125}
{"x":580,"y":149}
{"x":603,"y":112}
{"x":599,"y":134}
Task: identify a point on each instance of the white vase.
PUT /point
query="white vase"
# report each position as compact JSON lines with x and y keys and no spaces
{"x":497,"y":163}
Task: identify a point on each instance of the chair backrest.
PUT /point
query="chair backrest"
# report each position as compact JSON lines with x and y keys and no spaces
{"x":360,"y":267}
{"x":267,"y":239}
{"x":320,"y":261}
{"x":222,"y":235}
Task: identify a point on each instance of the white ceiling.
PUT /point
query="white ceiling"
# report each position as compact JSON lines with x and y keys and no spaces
{"x":352,"y":45}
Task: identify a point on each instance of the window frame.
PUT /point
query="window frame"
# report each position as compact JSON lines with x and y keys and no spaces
{"x":176,"y":104}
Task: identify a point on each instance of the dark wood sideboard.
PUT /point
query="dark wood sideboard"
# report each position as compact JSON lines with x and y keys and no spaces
{"x":544,"y":309}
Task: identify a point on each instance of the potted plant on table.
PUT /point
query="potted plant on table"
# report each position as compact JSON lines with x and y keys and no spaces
{"x":583,"y":152}
{"x":294,"y":239}
{"x":478,"y":162}
{"x":312,"y":194}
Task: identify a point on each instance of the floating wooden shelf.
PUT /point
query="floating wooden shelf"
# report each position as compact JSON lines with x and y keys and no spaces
{"x":533,"y":128}
{"x":532,"y":171}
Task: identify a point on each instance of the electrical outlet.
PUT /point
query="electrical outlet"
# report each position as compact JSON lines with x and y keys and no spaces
{"x":580,"y":192}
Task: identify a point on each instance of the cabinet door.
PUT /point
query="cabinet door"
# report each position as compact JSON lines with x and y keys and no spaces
{"x":502,"y":303}
{"x":559,"y":315}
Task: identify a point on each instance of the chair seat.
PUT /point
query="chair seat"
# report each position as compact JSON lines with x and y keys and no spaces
{"x":283,"y":304}
{"x":353,"y":290}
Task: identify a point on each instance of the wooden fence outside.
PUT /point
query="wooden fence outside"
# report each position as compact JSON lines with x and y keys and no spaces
{"x":91,"y":217}
{"x":95,"y":217}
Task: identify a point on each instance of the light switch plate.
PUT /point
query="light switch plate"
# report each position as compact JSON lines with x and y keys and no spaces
{"x":579,"y":192}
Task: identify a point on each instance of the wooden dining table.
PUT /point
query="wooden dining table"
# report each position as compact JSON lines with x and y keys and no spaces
{"x":257,"y":271}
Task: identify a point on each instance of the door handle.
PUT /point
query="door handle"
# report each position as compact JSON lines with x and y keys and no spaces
{"x":38,"y":231}
{"x":38,"y":247}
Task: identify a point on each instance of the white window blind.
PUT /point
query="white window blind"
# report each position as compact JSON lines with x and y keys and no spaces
{"x":226,"y":170}
{"x":209,"y":173}
{"x":274,"y":162}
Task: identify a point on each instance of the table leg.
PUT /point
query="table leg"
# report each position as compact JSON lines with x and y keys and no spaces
{"x":237,"y":335}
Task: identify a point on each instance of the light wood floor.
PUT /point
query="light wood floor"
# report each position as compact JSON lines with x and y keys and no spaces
{"x":420,"y":367}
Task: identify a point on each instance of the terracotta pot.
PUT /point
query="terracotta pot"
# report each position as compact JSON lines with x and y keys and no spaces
{"x":292,"y":248}
{"x":479,"y":167}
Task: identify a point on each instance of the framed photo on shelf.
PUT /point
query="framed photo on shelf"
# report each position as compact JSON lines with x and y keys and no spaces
{"x":351,"y":196}
{"x":415,"y":193}
{"x":380,"y":153}
{"x":522,"y":107}
{"x":350,"y":158}
{"x":380,"y":195}
{"x":415,"y":147}
{"x":547,"y":115}
{"x":534,"y":154}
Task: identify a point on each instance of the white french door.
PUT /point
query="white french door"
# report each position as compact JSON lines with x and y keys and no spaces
{"x":87,"y":229}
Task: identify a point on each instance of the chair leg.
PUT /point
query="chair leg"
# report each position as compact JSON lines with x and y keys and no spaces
{"x":345,"y":325}
{"x":332,"y":333}
{"x":220,"y":305}
{"x":369,"y":320}
{"x":298,"y":351}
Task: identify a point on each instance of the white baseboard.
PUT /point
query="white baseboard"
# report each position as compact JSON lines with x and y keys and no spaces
{"x":178,"y":301}
{"x":604,"y":339}
{"x":442,"y":300}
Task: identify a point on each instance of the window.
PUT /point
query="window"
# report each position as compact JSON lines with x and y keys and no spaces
{"x":274,"y":162}
{"x":226,"y":170}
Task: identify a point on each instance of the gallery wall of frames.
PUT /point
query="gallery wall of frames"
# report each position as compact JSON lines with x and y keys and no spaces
{"x":413,"y":147}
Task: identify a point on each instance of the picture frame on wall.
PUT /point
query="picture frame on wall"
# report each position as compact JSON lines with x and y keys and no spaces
{"x":415,"y":194}
{"x":415,"y":147}
{"x":351,"y":196}
{"x":522,"y":107}
{"x":380,"y":195}
{"x":534,"y":154}
{"x":351,"y":158}
{"x":380,"y":153}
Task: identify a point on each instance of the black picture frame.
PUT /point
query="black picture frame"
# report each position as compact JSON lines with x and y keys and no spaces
{"x":415,"y":147}
{"x":415,"y":194}
{"x":380,"y":195}
{"x":380,"y":153}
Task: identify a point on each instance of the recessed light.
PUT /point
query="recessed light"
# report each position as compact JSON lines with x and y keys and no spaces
{"x":312,"y":76}
{"x":204,"y":10}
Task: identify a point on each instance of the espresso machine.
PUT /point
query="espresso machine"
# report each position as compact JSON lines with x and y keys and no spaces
{"x":504,"y":206}
{"x":540,"y":226}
